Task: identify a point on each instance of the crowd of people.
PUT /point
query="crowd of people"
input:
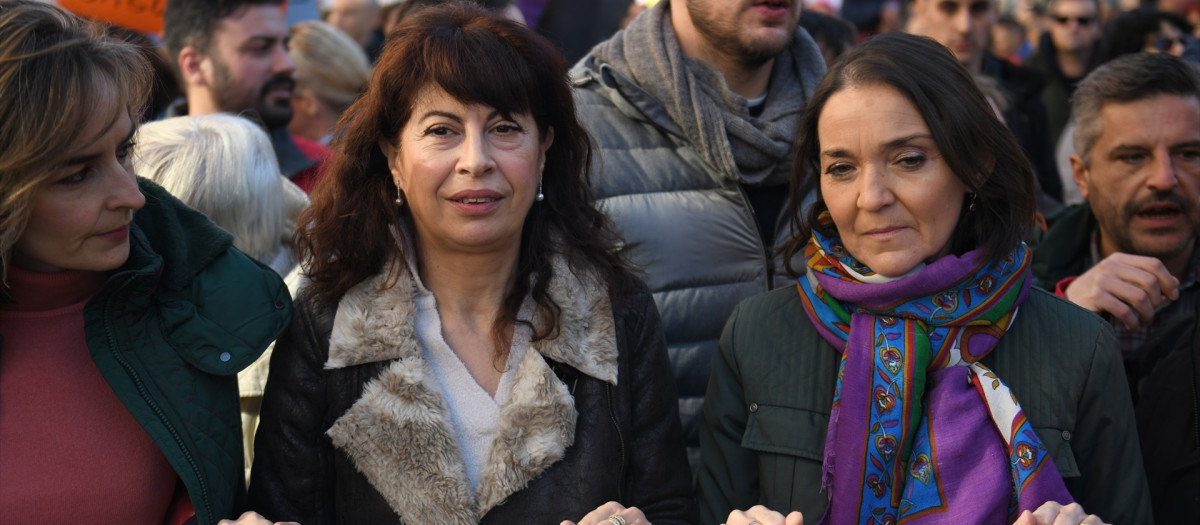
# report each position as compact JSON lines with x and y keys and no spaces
{"x":748,"y":262}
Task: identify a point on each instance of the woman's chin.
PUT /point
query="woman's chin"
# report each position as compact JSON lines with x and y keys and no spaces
{"x":893,"y":267}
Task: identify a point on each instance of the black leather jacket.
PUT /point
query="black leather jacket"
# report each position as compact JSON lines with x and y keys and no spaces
{"x":627,"y":443}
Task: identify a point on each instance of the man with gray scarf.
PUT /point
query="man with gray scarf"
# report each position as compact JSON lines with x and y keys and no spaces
{"x":694,"y":108}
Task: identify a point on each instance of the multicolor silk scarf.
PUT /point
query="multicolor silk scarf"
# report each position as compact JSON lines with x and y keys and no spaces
{"x":920,"y":431}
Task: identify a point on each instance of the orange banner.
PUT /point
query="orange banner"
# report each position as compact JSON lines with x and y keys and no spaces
{"x":140,"y":15}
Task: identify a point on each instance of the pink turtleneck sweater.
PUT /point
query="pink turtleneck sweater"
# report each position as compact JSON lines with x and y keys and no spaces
{"x":69,"y":450}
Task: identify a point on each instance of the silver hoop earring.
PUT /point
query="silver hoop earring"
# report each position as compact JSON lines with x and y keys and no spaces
{"x":540,"y":196}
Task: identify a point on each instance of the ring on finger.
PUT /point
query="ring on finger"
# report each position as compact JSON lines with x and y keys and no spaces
{"x":755,"y":522}
{"x":616,"y":520}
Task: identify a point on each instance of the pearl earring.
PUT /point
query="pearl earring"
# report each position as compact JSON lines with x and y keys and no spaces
{"x":540,"y":196}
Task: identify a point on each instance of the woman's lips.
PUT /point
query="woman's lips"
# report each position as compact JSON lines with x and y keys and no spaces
{"x":117,"y":235}
{"x":885,"y":232}
{"x":476,"y":202}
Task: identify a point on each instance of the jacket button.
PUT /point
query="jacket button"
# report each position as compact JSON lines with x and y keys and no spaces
{"x":1066,"y":435}
{"x":279,"y":305}
{"x":754,"y":407}
{"x":225,"y":357}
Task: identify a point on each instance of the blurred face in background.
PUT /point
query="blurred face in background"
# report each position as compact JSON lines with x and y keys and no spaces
{"x":960,"y":25}
{"x":1169,"y":39}
{"x":248,"y":67}
{"x":1074,"y":25}
{"x":357,"y":18}
{"x":1006,"y":41}
{"x":751,"y":32}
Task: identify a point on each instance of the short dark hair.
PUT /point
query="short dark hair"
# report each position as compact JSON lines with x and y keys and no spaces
{"x":833,"y":32}
{"x":1127,"y":78}
{"x":477,"y":57}
{"x":978,"y":148}
{"x":192,"y":22}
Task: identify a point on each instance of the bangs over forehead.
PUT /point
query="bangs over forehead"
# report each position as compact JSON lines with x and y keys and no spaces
{"x":476,"y":59}
{"x":475,"y":65}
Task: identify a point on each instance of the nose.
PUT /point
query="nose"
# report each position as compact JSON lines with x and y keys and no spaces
{"x":124,"y":193}
{"x":1162,"y":174}
{"x":873,"y":191}
{"x":963,"y":22}
{"x":476,"y":159}
{"x":282,"y":62}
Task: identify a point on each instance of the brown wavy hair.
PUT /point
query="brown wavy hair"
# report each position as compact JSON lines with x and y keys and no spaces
{"x":52,"y":64}
{"x":478,"y":58}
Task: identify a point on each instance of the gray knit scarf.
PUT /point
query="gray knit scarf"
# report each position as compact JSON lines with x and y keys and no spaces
{"x":756,"y":151}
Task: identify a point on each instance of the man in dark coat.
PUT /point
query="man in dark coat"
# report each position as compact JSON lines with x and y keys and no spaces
{"x":1130,"y":253}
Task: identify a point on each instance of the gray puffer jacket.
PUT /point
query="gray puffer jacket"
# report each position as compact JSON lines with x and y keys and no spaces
{"x":691,"y":228}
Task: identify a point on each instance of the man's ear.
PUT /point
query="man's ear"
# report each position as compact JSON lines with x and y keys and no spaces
{"x":1079,"y":172}
{"x":191,"y":66}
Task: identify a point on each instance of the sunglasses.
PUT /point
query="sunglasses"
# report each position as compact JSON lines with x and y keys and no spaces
{"x":1083,"y":20}
{"x":1163,"y":43}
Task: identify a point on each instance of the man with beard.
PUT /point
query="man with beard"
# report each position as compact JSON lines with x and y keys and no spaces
{"x":1130,"y":253}
{"x":694,"y":108}
{"x":232,"y":57}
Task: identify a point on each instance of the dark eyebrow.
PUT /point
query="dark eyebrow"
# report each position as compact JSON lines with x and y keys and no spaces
{"x":84,"y":159}
{"x":456,"y":118}
{"x":1190,"y":144}
{"x":442,"y":114}
{"x":896,"y":142}
{"x":836,"y":154}
{"x":270,"y":39}
{"x":1127,"y":148}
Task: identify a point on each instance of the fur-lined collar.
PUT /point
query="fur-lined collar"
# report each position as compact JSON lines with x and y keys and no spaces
{"x":399,"y":433}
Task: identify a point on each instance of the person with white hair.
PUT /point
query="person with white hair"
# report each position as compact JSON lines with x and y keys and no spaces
{"x":224,"y":166}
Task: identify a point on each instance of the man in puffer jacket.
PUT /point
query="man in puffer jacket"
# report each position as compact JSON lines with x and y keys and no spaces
{"x":694,"y":108}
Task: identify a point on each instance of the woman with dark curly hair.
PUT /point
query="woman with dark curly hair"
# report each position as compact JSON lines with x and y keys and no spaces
{"x":470,"y":348}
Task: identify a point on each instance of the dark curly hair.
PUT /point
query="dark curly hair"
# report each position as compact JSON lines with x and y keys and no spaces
{"x":476,"y":57}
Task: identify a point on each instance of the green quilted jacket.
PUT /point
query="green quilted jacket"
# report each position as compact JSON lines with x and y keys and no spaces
{"x":169,"y":331}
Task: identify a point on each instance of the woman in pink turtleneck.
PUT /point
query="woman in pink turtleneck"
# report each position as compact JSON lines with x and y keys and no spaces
{"x":120,"y":334}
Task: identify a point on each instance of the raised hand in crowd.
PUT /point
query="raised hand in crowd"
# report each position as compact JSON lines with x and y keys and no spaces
{"x":1125,"y":286}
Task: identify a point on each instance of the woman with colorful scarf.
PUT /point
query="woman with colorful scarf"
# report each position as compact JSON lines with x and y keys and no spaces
{"x":913,"y":375}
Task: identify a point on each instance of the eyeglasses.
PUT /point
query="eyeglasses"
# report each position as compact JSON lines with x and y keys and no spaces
{"x":1083,"y":20}
{"x":1164,"y":44}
